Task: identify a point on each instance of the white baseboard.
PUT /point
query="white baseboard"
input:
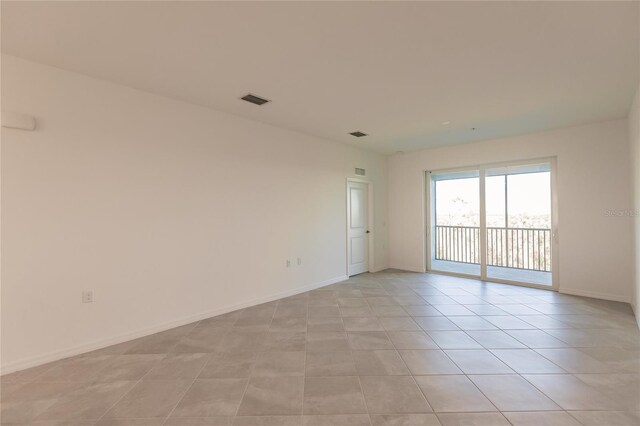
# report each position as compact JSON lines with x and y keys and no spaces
{"x":114,"y":340}
{"x":378,"y":269}
{"x":593,"y":294}
{"x":408,"y":268}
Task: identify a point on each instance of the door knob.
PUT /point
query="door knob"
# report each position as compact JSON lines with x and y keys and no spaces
{"x":367,"y":231}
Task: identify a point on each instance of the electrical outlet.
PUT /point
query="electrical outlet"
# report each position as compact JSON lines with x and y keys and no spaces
{"x":299,"y":261}
{"x":87,"y":296}
{"x":288,"y":263}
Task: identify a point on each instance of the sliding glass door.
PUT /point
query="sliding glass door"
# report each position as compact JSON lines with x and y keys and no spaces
{"x":493,"y":222}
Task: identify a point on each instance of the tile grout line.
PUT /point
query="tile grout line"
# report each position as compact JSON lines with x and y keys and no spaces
{"x":366,"y":405}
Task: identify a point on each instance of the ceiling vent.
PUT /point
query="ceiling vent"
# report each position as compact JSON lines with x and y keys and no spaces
{"x":255,"y":99}
{"x":358,"y":134}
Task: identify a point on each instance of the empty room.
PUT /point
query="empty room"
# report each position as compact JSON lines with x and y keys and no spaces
{"x":320,"y":213}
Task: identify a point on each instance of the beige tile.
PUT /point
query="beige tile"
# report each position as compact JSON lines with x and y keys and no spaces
{"x":324,"y":311}
{"x":211,"y":397}
{"x":268,"y":396}
{"x":527,"y":361}
{"x":508,"y":322}
{"x":291,"y":310}
{"x":429,"y":362}
{"x":478,"y":361}
{"x":21,"y":412}
{"x":537,"y":339}
{"x":571,"y":393}
{"x":381,"y":301}
{"x":513,"y":393}
{"x":411,"y":340}
{"x":452,"y":310}
{"x":422,"y":311}
{"x":471,"y":323}
{"x":453,"y":393}
{"x":473,"y":419}
{"x":454,"y":340}
{"x":241,"y":342}
{"x":153,"y":398}
{"x":379,"y":363}
{"x":333,"y":395}
{"x":90,"y":402}
{"x":327,"y":341}
{"x":178,"y":366}
{"x":543,"y":322}
{"x":517,"y":309}
{"x":485,"y":309}
{"x":393,"y":394}
{"x":412,"y":300}
{"x":362,"y":311}
{"x":495,"y":339}
{"x":131,"y":422}
{"x":37,"y":390}
{"x":279,"y":364}
{"x":352,"y":302}
{"x":624,"y":388}
{"x":362,"y":324}
{"x":369,"y":340}
{"x":609,"y":418}
{"x":617,"y":358}
{"x":26,"y":375}
{"x":337,"y":420}
{"x":267,"y":421}
{"x":289,"y":324}
{"x":252,"y":323}
{"x":404,"y":420}
{"x":284,"y":341}
{"x":575,"y":361}
{"x":435,"y":323}
{"x":325,"y":324}
{"x":228,"y":366}
{"x":389,"y":311}
{"x":76,"y":369}
{"x":541,"y":418}
{"x":128,"y":367}
{"x":399,"y":324}
{"x":199,"y":421}
{"x":159,"y":343}
{"x":330,"y":364}
{"x":200,"y":340}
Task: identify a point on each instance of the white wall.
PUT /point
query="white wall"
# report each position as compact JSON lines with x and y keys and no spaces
{"x":634,"y":141}
{"x":170,"y":212}
{"x":593,"y":177}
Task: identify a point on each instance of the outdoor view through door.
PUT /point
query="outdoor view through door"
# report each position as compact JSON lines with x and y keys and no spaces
{"x":493,"y":222}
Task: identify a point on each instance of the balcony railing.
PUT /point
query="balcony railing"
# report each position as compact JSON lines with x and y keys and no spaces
{"x":522,"y":248}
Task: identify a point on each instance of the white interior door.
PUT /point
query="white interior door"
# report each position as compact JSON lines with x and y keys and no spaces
{"x":358,"y":228}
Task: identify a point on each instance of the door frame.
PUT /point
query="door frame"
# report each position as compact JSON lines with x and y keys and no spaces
{"x":370,"y":223}
{"x":555,"y":240}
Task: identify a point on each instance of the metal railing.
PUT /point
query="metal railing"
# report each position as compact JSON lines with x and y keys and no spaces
{"x":521,"y":248}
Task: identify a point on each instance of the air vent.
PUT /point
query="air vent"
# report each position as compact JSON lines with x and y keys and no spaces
{"x":358,"y":134}
{"x":360,"y":172}
{"x":255,"y":99}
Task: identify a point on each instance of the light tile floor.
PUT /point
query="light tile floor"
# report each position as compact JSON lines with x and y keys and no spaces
{"x":391,"y":348}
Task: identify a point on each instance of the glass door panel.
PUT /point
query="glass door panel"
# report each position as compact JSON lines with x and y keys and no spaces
{"x":455,"y":222}
{"x":518,"y":217}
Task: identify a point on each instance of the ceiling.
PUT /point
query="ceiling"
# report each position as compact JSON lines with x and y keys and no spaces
{"x":394,"y":70}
